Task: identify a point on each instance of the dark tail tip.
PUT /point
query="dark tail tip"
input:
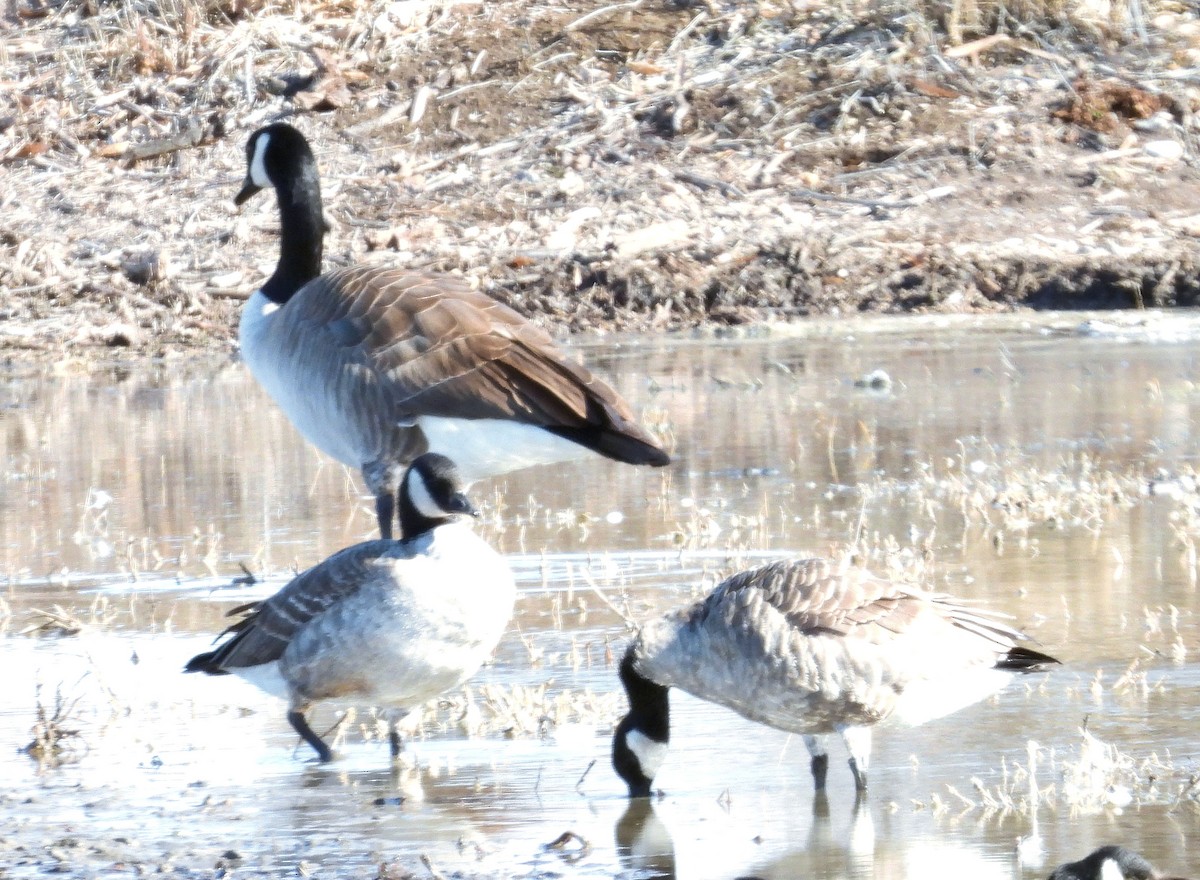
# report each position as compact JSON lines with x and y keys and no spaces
{"x":636,"y":452}
{"x":204,"y":663}
{"x":1020,"y":659}
{"x":613,"y":443}
{"x":655,"y":457}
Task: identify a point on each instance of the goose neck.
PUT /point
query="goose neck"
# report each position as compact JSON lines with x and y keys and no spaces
{"x":302,"y":233}
{"x":649,"y":703}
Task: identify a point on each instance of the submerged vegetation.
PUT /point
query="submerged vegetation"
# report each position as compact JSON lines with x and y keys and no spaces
{"x":57,"y":736}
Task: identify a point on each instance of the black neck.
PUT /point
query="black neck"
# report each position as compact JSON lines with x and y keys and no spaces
{"x":649,"y":715}
{"x":302,"y":233}
{"x":649,"y":704}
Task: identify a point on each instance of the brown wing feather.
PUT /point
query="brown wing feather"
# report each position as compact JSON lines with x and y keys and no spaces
{"x":263,"y":635}
{"x":816,"y":597}
{"x":439,"y":348}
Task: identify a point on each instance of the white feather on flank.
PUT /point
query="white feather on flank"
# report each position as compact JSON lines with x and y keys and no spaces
{"x":927,"y":699}
{"x":650,"y":753}
{"x":422,"y":498}
{"x":269,"y":307}
{"x":258,"y":166}
{"x":483,"y":447}
{"x":265,"y":677}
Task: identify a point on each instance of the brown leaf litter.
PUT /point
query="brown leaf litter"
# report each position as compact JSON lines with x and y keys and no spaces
{"x":648,"y":165}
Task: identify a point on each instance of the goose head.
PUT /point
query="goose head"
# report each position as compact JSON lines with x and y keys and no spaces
{"x":643,"y":736}
{"x":278,"y":156}
{"x":432,"y":493}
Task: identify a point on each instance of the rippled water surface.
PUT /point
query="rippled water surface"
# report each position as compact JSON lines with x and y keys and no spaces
{"x":1043,"y":470}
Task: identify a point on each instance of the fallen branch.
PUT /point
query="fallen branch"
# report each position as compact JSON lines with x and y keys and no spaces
{"x":600,"y":13}
{"x":932,"y":195}
{"x":190,"y":137}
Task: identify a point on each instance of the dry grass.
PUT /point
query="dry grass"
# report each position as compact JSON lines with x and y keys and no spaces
{"x":1090,"y":777}
{"x":56,"y":736}
{"x":963,"y":19}
{"x":513,"y":711}
{"x":658,"y":167}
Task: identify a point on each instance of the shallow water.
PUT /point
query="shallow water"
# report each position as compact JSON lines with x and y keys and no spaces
{"x":1006,"y":462}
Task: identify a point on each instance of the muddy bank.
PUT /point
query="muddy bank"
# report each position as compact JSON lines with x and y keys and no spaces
{"x":600,"y":167}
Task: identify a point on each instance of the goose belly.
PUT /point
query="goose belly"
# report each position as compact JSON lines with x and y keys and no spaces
{"x":775,"y":698}
{"x":926,"y":699}
{"x":265,"y":676}
{"x":307,"y":390}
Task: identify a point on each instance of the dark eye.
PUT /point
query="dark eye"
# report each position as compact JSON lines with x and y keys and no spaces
{"x":459,"y":503}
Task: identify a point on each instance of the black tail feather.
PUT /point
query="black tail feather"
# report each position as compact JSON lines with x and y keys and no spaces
{"x":204,"y":663}
{"x":611,"y":443}
{"x":1020,"y":659}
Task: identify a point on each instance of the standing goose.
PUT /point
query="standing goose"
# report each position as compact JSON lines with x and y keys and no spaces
{"x":808,"y":647}
{"x":377,"y":365}
{"x":389,"y":623}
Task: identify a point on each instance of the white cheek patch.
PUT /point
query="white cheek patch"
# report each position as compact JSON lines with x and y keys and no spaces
{"x":421,"y":498}
{"x":1110,"y":870}
{"x":258,"y":165}
{"x":650,"y":754}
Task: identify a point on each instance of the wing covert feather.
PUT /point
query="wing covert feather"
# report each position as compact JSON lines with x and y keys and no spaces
{"x":264,"y":635}
{"x":439,"y":348}
{"x":815,"y":597}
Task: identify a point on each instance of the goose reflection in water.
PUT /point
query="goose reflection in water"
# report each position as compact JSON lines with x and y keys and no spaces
{"x":645,"y":845}
{"x":644,"y":842}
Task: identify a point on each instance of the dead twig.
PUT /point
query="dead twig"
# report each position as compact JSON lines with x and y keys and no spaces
{"x":583,"y":776}
{"x":51,"y":735}
{"x":600,"y":13}
{"x":54,"y":623}
{"x":190,"y":137}
{"x":559,"y":844}
{"x":708,"y":183}
{"x":934,"y":194}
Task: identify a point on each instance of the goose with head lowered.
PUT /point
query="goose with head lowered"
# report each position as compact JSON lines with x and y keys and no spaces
{"x":385,"y":623}
{"x":1110,"y":863}
{"x":376,"y":365}
{"x":814,"y":648}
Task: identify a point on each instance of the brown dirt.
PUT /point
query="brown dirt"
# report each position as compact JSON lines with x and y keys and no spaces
{"x":639,"y":166}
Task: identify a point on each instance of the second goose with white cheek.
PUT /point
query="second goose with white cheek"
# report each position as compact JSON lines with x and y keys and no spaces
{"x":383,"y":623}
